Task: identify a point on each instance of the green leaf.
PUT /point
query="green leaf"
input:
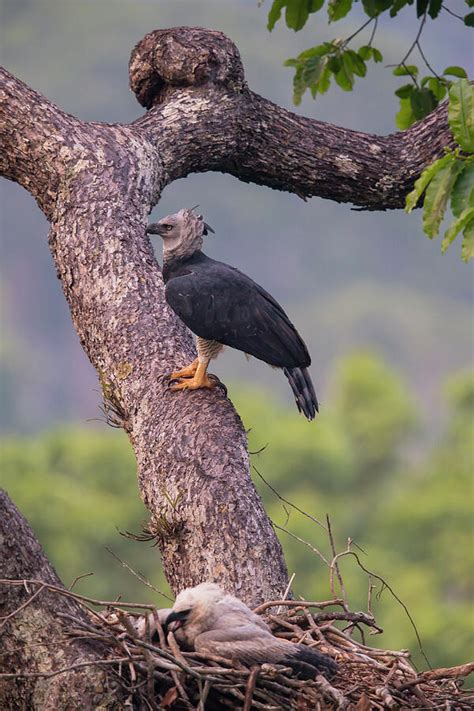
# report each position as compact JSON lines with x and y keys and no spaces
{"x":463,"y":190}
{"x":403,"y":92}
{"x":325,"y":79}
{"x":434,"y":8}
{"x":404,"y":117}
{"x":469,"y":19}
{"x":344,"y":77}
{"x":375,"y":7}
{"x":405,"y":70}
{"x":457,"y":226}
{"x":299,"y":86}
{"x":421,"y":7}
{"x":318,"y":51}
{"x":424,"y":179}
{"x":275,"y":13}
{"x":423,"y":101}
{"x":456,"y":72}
{"x":334,"y":64}
{"x":468,"y":242}
{"x":358,"y":64}
{"x":437,"y":196}
{"x":370,"y":8}
{"x":461,"y":113}
{"x":297,"y":12}
{"x":312,"y":70}
{"x":398,"y":5}
{"x":365,"y":52}
{"x":338,"y":9}
{"x":377,"y":55}
{"x":437,"y":87}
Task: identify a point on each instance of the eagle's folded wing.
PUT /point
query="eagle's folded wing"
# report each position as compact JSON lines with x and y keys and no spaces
{"x":222,"y":304}
{"x":250,"y":645}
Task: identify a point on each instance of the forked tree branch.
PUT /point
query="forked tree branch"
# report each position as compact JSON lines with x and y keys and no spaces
{"x":97,"y":183}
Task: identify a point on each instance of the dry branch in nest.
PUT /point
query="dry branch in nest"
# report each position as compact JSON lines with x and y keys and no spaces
{"x":157,"y":674}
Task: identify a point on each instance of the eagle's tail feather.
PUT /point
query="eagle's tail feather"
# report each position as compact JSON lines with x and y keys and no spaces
{"x":307,"y":662}
{"x":303,"y":390}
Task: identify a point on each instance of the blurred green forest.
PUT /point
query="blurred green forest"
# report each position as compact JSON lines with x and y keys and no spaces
{"x":410,"y":514}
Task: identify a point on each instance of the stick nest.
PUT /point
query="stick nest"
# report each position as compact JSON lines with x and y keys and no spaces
{"x":159,"y":675}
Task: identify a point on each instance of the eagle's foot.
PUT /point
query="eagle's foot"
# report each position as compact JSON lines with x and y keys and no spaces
{"x":188,"y":372}
{"x":197,"y":382}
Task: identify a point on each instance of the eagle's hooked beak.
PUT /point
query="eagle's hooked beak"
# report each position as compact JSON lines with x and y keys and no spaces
{"x":207,"y":229}
{"x":178,"y":618}
{"x":155,"y":229}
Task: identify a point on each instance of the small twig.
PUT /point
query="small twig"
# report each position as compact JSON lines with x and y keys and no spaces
{"x":301,"y":540}
{"x":426,"y":61}
{"x":64,"y":670}
{"x":203,"y":695}
{"x":458,"y":17}
{"x":79,"y":577}
{"x":250,"y":688}
{"x":373,"y":32}
{"x":336,"y":566}
{"x":369,"y":596}
{"x":75,"y":596}
{"x":354,"y":34}
{"x":393,"y":593}
{"x":138,"y":576}
{"x":415,"y":41}
{"x":296,"y":603}
{"x":282,"y":498}
{"x":460,"y":671}
{"x":285,"y":594}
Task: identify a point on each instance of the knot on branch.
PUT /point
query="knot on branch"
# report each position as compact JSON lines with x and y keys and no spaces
{"x":183,"y":56}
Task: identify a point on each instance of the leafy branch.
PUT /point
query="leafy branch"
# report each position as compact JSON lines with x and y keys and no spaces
{"x":451,"y":178}
{"x":316,"y":67}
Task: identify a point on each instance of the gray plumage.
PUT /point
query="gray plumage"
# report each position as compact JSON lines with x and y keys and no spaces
{"x":209,"y":621}
{"x":222,"y":305}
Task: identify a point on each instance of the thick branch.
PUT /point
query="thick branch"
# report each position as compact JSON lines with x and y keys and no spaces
{"x":34,"y":638}
{"x":32,"y":129}
{"x":233,"y":130}
{"x":313,"y":158}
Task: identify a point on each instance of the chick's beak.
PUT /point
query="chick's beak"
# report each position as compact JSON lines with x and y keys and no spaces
{"x":175,"y":620}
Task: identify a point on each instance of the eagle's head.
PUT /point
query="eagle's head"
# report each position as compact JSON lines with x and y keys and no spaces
{"x":194,"y":611}
{"x":182,"y":232}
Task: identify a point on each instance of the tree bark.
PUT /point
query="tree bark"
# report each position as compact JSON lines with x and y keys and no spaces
{"x":97,"y":183}
{"x":34,"y":639}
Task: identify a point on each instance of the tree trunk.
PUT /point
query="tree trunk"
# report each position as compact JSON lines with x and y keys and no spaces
{"x":97,"y":183}
{"x":34,"y":640}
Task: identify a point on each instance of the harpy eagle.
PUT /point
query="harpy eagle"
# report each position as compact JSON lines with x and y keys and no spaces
{"x":206,"y":619}
{"x":224,"y":307}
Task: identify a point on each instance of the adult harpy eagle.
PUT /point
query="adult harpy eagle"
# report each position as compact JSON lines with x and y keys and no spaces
{"x":224,"y":307}
{"x":206,"y":619}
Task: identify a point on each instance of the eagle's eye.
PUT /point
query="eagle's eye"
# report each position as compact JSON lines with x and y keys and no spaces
{"x":168,"y":227}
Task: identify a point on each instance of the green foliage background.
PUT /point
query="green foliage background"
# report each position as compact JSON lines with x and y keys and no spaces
{"x":409,"y":511}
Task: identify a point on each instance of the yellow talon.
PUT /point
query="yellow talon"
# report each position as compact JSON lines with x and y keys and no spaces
{"x":199,"y":380}
{"x":187,"y":372}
